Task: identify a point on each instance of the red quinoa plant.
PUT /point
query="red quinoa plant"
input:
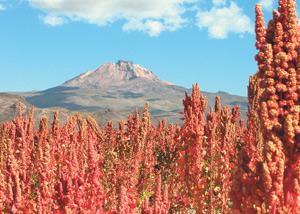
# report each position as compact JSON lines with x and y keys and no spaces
{"x":213,"y":163}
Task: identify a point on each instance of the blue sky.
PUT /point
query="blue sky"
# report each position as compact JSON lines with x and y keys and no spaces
{"x":46,"y":42}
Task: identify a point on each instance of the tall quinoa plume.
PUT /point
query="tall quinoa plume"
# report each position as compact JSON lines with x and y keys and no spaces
{"x":193,"y":136}
{"x":260,"y":28}
{"x":246,"y":192}
{"x":279,"y":107}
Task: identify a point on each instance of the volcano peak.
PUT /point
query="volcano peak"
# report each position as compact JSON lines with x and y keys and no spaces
{"x":111,"y":74}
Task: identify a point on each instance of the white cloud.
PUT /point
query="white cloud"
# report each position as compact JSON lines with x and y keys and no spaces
{"x":219,"y":2}
{"x":220,"y":21}
{"x":153,"y":28}
{"x":150,"y":16}
{"x":267,"y":4}
{"x":2,"y":7}
{"x":52,"y":20}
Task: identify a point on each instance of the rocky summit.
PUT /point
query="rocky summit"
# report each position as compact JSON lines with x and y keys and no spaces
{"x":113,"y":74}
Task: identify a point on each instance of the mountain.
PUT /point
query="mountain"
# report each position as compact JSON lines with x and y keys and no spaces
{"x":114,"y":75}
{"x":114,"y":90}
{"x":8,"y":103}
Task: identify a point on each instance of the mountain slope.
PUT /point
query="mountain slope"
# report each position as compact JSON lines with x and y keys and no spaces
{"x":8,"y":103}
{"x":116,"y":89}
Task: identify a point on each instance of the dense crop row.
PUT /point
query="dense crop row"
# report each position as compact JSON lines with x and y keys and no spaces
{"x":213,"y":163}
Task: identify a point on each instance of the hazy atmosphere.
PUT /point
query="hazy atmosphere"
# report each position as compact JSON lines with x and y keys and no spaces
{"x":150,"y":106}
{"x":46,"y":42}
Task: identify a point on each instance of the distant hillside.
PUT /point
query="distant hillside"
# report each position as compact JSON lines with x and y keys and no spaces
{"x":114,"y":90}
